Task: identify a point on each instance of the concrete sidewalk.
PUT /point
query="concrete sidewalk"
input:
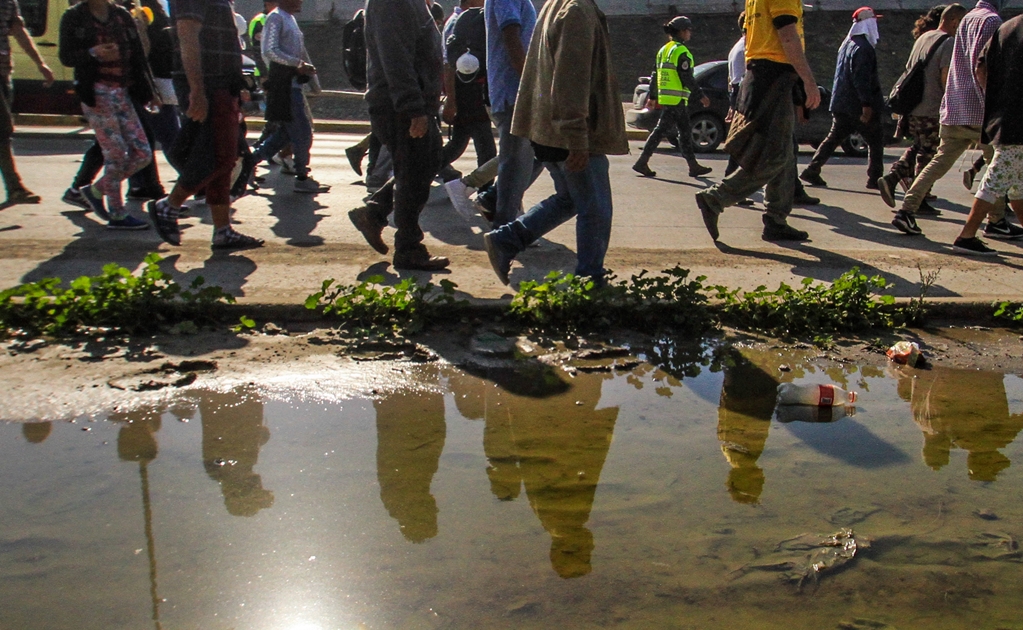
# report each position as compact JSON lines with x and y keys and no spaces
{"x":656,"y":226}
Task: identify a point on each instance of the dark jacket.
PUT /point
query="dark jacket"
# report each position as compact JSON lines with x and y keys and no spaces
{"x":78,"y":35}
{"x":856,"y":82}
{"x":404,"y":64}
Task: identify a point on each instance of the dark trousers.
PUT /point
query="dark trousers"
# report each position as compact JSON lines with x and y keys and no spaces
{"x":842,"y":126}
{"x":797,"y":186}
{"x":672,"y":117}
{"x":416,"y":162}
{"x":482,"y":136}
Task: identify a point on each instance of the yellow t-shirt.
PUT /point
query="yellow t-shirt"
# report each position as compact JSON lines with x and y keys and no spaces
{"x":761,"y":37}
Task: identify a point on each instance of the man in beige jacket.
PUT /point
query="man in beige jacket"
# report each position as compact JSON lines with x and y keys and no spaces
{"x":569,"y":107}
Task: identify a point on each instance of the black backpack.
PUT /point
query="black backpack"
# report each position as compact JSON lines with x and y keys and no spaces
{"x":353,"y":50}
{"x":908,"y":91}
{"x":469,"y":35}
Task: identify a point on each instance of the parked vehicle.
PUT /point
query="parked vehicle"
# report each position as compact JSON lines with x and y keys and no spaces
{"x":708,"y":123}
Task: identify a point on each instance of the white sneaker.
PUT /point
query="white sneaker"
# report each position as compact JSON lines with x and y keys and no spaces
{"x":310,"y":186}
{"x":459,"y":193}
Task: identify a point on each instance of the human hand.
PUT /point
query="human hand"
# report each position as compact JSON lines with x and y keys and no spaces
{"x":306,"y":69}
{"x":705,"y":101}
{"x":867,"y":114}
{"x":105,"y":52}
{"x":577,"y":161}
{"x":48,"y":76}
{"x":198,"y":108}
{"x":418,"y":127}
{"x":813,"y":97}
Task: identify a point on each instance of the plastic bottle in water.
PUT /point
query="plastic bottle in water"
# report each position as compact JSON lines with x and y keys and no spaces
{"x":816,"y":395}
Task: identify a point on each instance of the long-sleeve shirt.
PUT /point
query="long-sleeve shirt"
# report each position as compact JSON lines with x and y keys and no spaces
{"x":963,"y":103}
{"x":283,"y":41}
{"x":404,"y":62}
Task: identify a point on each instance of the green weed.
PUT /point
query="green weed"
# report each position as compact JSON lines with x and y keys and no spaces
{"x":1009,"y":311}
{"x":115,"y":299}
{"x":405,"y":307}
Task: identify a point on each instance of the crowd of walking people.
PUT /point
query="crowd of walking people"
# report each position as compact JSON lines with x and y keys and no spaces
{"x":147,"y":77}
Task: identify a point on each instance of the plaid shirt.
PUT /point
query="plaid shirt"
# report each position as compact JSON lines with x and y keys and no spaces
{"x":9,"y":16}
{"x":963,"y":103}
{"x":221,"y":51}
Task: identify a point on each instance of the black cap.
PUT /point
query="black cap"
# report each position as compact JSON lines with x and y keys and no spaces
{"x":679,"y":23}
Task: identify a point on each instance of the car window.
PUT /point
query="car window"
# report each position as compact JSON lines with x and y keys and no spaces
{"x":34,"y":13}
{"x":716,"y":79}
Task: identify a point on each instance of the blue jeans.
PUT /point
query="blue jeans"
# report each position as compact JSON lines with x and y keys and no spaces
{"x":585,"y":195}
{"x":299,"y":132}
{"x":517,"y":169}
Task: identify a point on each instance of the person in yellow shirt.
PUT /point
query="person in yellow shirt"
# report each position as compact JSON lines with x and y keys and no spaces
{"x":675,"y":86}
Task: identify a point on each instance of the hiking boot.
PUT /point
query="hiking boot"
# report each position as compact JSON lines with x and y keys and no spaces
{"x":420,"y":260}
{"x":972,"y":247}
{"x":698,"y":170}
{"x":781,"y":231}
{"x":229,"y":239}
{"x":73,"y":196}
{"x":20,"y":196}
{"x":906,"y":223}
{"x":813,"y":178}
{"x":310,"y":186}
{"x":643,"y":169}
{"x":146,"y":194}
{"x":95,"y":202}
{"x":165,"y":220}
{"x":1003,"y":230}
{"x":128,"y":222}
{"x":886,"y":187}
{"x":500,"y":263}
{"x":710,"y":209}
{"x":370,"y":228}
{"x":355,"y":155}
{"x":803,"y":199}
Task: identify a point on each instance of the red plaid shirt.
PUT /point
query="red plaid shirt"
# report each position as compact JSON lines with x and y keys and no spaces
{"x":963,"y":103}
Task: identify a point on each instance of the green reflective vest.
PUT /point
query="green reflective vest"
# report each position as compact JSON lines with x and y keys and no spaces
{"x":255,"y":28}
{"x":670,"y":90}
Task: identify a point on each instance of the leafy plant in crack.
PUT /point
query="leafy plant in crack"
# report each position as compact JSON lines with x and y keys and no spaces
{"x":115,"y":299}
{"x":1009,"y":311}
{"x":405,"y":307}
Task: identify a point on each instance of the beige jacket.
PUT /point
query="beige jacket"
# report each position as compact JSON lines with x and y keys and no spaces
{"x":568,"y":97}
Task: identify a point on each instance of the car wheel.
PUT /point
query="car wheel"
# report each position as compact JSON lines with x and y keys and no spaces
{"x":708,"y":132}
{"x":855,"y":146}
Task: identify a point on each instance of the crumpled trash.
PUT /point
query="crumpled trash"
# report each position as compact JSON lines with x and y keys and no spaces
{"x":906,"y":353}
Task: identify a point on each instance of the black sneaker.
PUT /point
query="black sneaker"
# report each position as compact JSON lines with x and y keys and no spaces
{"x":775,"y":231}
{"x":73,"y":196}
{"x":972,"y":247}
{"x":804,"y":199}
{"x":710,"y":210}
{"x":500,"y":263}
{"x":812,"y":178}
{"x":906,"y":223}
{"x":927,"y":209}
{"x":146,"y":194}
{"x":699,"y":170}
{"x":886,"y":187}
{"x":1003,"y":230}
{"x":230,"y":239}
{"x":643,"y":170}
{"x":165,"y":220}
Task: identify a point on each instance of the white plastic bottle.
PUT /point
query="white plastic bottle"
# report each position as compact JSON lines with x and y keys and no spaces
{"x":816,"y":395}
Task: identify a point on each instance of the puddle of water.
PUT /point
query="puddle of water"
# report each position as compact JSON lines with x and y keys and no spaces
{"x":654,"y":497}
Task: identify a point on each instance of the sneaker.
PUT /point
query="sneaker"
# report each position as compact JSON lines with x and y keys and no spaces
{"x":146,"y":194}
{"x":287,"y":165}
{"x":230,"y":239}
{"x":710,"y":209}
{"x":1003,"y":230}
{"x":500,"y":263}
{"x":972,"y":247}
{"x":73,"y":196}
{"x":165,"y":220}
{"x":906,"y":223}
{"x":927,"y":210}
{"x":370,"y":228}
{"x":355,"y":155}
{"x":20,"y":196}
{"x":127,"y":223}
{"x":459,"y":195}
{"x":310,"y":186}
{"x":812,"y":178}
{"x":886,"y":187}
{"x":749,"y":203}
{"x":968,"y":179}
{"x":420,"y":260}
{"x":775,"y":231}
{"x":95,"y":203}
{"x":643,"y":169}
{"x":804,"y":199}
{"x":699,"y":170}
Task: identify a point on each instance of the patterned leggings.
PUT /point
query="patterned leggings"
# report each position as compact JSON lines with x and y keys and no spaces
{"x":1004,"y":175}
{"x":119,"y":134}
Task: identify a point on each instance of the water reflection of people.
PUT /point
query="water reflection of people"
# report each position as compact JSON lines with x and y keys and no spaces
{"x":410,"y":438}
{"x":748,"y":395}
{"x":36,"y":432}
{"x":232,"y":434}
{"x":553,"y":441}
{"x":965,"y":409}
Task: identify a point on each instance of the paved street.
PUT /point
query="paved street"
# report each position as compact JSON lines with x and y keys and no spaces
{"x":656,"y":226}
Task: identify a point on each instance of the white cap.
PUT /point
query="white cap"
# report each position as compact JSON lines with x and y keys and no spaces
{"x":467,"y":64}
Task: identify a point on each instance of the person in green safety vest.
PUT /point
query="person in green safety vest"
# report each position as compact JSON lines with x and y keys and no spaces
{"x":675,"y":85}
{"x":256,"y":36}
